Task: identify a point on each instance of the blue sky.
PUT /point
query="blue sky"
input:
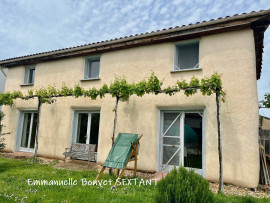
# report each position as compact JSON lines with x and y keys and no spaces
{"x":31,"y":26}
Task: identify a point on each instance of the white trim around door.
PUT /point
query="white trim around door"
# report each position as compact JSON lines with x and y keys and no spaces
{"x":26,"y":131}
{"x":181,"y":140}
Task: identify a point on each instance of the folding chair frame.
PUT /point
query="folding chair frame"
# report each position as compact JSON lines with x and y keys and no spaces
{"x":134,"y":153}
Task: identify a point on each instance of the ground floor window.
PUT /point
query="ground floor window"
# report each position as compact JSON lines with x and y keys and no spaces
{"x":181,"y":140}
{"x":27,"y":131}
{"x":86,"y":127}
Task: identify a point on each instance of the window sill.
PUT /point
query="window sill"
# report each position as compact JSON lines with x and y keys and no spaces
{"x":90,"y":79}
{"x":185,"y":70}
{"x":24,"y":85}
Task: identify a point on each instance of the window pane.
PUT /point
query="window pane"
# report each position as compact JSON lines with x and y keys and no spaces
{"x":26,"y":130}
{"x":93,"y":71}
{"x":94,"y":128}
{"x":188,"y":55}
{"x":34,"y":128}
{"x":171,"y":140}
{"x":175,"y":128}
{"x":193,"y":141}
{"x":82,"y":128}
{"x":168,"y":152}
{"x":31,"y":76}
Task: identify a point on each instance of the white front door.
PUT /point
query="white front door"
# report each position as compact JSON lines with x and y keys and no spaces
{"x":28,"y":131}
{"x":181,"y":140}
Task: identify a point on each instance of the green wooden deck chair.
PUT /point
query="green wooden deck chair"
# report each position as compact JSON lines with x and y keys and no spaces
{"x":124,"y":150}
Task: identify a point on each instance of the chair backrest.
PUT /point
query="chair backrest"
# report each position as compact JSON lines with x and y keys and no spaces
{"x":126,"y":139}
{"x":83,"y":147}
{"x":120,"y":152}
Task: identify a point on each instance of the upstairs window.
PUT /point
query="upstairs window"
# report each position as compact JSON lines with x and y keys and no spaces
{"x":92,"y":66}
{"x":29,"y":77}
{"x":187,"y":55}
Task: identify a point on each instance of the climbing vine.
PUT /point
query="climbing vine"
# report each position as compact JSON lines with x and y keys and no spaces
{"x":122,"y":89}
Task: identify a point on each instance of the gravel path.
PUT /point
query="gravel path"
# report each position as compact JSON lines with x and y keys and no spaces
{"x":240,"y":191}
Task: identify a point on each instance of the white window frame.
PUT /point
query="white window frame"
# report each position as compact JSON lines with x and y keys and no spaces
{"x":88,"y":60}
{"x":27,"y":75}
{"x":182,"y":117}
{"x":176,"y":58}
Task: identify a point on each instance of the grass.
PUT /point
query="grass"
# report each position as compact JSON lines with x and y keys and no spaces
{"x":14,"y":175}
{"x":14,"y":187}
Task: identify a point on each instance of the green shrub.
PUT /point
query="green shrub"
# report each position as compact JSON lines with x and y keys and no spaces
{"x":183,"y":186}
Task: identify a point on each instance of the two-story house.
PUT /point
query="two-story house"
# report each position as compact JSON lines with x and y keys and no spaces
{"x":178,"y":130}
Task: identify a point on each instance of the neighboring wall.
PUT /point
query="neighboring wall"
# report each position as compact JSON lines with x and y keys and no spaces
{"x":232,"y":54}
{"x":2,"y":80}
{"x":265,"y":123}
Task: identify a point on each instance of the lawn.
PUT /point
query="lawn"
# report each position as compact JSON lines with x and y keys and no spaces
{"x":14,"y":175}
{"x":14,"y":186}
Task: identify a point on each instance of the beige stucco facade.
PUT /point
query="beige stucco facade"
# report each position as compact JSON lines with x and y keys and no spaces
{"x":265,"y":123}
{"x":231,"y":54}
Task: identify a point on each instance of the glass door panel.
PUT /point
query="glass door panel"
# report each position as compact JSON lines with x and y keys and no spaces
{"x":171,"y":141}
{"x":193,"y":141}
{"x":171,"y":155}
{"x":82,"y":128}
{"x":171,"y":126}
{"x":26,"y":130}
{"x":34,"y":131}
{"x":94,"y":128}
